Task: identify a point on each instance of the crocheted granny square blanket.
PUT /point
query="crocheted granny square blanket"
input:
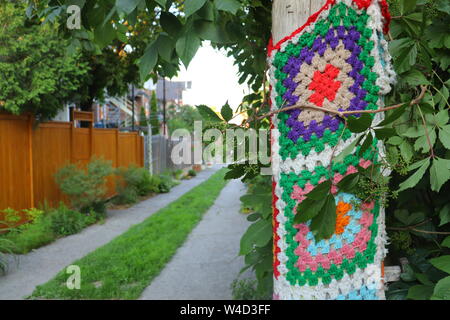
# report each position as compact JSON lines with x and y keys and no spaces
{"x":338,"y":60}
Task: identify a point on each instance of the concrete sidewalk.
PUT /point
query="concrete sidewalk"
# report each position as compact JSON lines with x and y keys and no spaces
{"x":207,"y":263}
{"x":39,"y":266}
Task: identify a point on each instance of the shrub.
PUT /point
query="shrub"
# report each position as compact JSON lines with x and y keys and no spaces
{"x":133,"y":182}
{"x":192,"y":173}
{"x":11,"y":216}
{"x":44,"y":227}
{"x":29,"y":236}
{"x":166,"y":183}
{"x":6,"y":246}
{"x":177,"y":174}
{"x":22,"y":238}
{"x":245,"y":289}
{"x":85,"y":188}
{"x":64,"y":222}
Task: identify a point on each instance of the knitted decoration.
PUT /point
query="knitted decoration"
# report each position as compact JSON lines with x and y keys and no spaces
{"x":338,"y":60}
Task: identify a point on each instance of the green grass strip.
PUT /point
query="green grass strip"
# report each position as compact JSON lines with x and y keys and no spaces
{"x":124,"y":267}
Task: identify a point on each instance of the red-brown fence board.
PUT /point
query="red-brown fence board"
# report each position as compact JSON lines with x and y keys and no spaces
{"x":30,"y":155}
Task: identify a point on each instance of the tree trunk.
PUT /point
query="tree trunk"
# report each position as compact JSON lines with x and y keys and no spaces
{"x":341,"y":63}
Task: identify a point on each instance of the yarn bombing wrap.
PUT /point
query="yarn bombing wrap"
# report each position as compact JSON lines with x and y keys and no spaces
{"x":338,"y":60}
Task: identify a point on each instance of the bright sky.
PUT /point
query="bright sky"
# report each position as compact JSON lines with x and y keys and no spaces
{"x":214,"y":79}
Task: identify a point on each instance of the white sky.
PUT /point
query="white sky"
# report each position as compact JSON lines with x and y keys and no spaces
{"x":214,"y":79}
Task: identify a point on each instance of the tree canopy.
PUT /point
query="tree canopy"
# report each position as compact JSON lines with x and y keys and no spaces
{"x":35,"y":74}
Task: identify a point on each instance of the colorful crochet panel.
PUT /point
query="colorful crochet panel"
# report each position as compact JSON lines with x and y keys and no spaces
{"x":338,"y":60}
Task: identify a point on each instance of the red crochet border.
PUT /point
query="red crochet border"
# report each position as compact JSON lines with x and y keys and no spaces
{"x":360,"y":3}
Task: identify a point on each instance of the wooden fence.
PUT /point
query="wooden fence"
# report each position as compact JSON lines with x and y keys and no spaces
{"x":31,"y":154}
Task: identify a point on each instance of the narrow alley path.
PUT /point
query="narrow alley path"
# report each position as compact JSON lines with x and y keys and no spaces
{"x":39,"y":266}
{"x":208,"y":262}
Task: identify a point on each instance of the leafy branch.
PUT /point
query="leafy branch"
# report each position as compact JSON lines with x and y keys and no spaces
{"x":342,"y":114}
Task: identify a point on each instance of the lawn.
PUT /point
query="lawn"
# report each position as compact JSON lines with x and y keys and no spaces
{"x":124,"y":267}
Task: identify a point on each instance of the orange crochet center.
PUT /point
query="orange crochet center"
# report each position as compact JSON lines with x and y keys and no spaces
{"x":342,"y":220}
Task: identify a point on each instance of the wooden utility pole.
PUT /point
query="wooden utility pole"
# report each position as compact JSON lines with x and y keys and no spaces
{"x":324,"y":59}
{"x":288,"y":15}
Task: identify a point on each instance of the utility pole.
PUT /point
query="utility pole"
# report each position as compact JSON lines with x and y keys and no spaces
{"x":164,"y":106}
{"x":150,"y":141}
{"x":300,"y":58}
{"x":132,"y":104}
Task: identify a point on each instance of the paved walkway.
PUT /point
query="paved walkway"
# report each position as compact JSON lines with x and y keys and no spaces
{"x":41,"y":265}
{"x":206,"y":265}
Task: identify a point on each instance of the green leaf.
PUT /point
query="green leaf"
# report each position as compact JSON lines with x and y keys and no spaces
{"x":349,"y":149}
{"x":259,"y":202}
{"x":208,"y":114}
{"x":406,"y":6}
{"x":406,"y":58}
{"x":165,"y":47}
{"x":226,"y":112}
{"x":396,"y":46}
{"x":446,"y":242}
{"x":442,"y":263}
{"x":253,"y":217}
{"x":443,"y":96}
{"x":104,"y":34}
{"x":258,"y":234}
{"x":187,"y":47}
{"x":227,"y":5}
{"x":434,"y":34}
{"x":366,"y":144}
{"x":308,"y":209}
{"x":395,"y":141}
{"x":407,"y":218}
{"x":415,"y":78}
{"x":348,"y":183}
{"x":406,"y":150}
{"x":384,"y":133}
{"x":442,"y":290}
{"x":394,"y":115}
{"x":208,"y":30}
{"x":236,"y":171}
{"x":444,"y":215}
{"x":420,"y":292}
{"x":192,"y":6}
{"x":443,"y":6}
{"x":162,"y":3}
{"x":416,"y":177}
{"x":127,"y":6}
{"x":360,"y":124}
{"x":170,"y":24}
{"x":320,"y":191}
{"x":422,"y":142}
{"x":207,"y":11}
{"x":408,"y":275}
{"x":414,"y":132}
{"x":148,"y":61}
{"x":423,"y":279}
{"x":441,"y":118}
{"x":323,"y":225}
{"x":439,"y":173}
{"x":444,"y":136}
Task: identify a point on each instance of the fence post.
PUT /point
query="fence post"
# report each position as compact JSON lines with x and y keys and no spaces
{"x":149,"y":146}
{"x":30,"y":159}
{"x":117,"y":147}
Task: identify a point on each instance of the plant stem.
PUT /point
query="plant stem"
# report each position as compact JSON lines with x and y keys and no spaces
{"x":426,"y":134}
{"x":342,"y":114}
